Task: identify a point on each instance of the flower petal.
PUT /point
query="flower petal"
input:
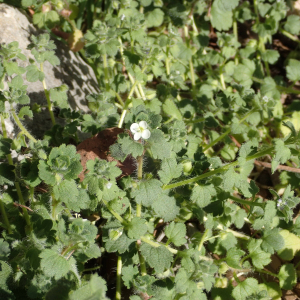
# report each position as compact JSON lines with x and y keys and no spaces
{"x":134,"y":127}
{"x":137,"y":136}
{"x":146,"y":134}
{"x":143,"y":124}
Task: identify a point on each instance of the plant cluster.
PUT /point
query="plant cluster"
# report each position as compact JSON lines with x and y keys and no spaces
{"x":205,"y":96}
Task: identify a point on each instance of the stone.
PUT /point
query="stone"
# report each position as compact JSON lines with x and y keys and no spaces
{"x":73,"y":71}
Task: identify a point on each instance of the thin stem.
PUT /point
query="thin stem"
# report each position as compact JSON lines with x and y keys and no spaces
{"x":115,"y":214}
{"x":196,"y":121}
{"x":141,"y":91}
{"x":91,"y":269}
{"x":106,"y":76}
{"x":167,"y":62}
{"x":282,"y":89}
{"x":119,"y":274}
{"x":202,"y":240}
{"x":54,"y":205}
{"x":128,"y":101}
{"x":140,"y":176}
{"x":235,"y":33}
{"x":5,"y":218}
{"x":256,"y":11}
{"x":267,"y":272}
{"x":217,"y":171}
{"x":156,"y":244}
{"x":23,"y":129}
{"x":192,"y":73}
{"x":236,"y":278}
{"x":263,"y":50}
{"x":289,"y":35}
{"x":69,"y":249}
{"x":25,"y":212}
{"x":142,"y":261}
{"x":10,"y":161}
{"x":47,"y":96}
{"x":119,"y":99}
{"x":229,"y":130}
{"x":245,"y":202}
{"x":222,"y":80}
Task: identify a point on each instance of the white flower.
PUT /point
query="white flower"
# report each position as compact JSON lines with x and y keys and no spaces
{"x":122,"y":17}
{"x":109,"y":185}
{"x":140,"y":130}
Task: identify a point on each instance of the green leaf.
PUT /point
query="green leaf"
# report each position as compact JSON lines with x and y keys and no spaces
{"x":291,"y":245}
{"x":270,"y":56}
{"x":45,"y":173}
{"x":130,"y":146}
{"x":53,"y":264}
{"x":287,"y":277}
{"x":7,"y":175}
{"x":273,"y":290}
{"x":34,"y":74}
{"x":66,"y":191}
{"x":259,"y":257}
{"x":233,"y":257}
{"x":243,"y":72}
{"x":221,"y":17}
{"x":169,"y":170}
{"x":120,"y":244}
{"x":51,"y":58}
{"x":170,"y":108}
{"x":59,"y":96}
{"x":136,"y":228}
{"x":13,"y":68}
{"x":176,"y":233}
{"x":158,"y":258}
{"x":181,"y":281}
{"x":4,"y":250}
{"x":293,"y":70}
{"x":292,"y":24}
{"x":158,"y":145}
{"x":29,"y":172}
{"x":128,"y":274}
{"x":165,"y":207}
{"x":95,"y":289}
{"x":272,"y":241}
{"x":5,"y":145}
{"x":245,"y":289}
{"x":25,"y":111}
{"x":147,"y":192}
{"x":154,"y":18}
{"x":267,"y":218}
{"x":5,"y":273}
{"x":202,"y":194}
{"x":239,"y":218}
{"x":282,"y":154}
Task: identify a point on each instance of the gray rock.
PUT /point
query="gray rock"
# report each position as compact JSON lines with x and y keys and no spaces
{"x":73,"y":71}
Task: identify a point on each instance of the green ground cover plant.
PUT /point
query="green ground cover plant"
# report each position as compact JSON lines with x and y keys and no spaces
{"x":203,"y":96}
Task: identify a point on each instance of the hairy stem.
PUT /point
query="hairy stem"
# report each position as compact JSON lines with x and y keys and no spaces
{"x":119,"y":278}
{"x":47,"y":96}
{"x":245,"y":202}
{"x":106,"y":76}
{"x":115,"y":214}
{"x":140,"y":176}
{"x":202,"y":240}
{"x":5,"y":218}
{"x":23,"y":129}
{"x":222,"y":136}
{"x":219,"y":170}
{"x":21,"y":199}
